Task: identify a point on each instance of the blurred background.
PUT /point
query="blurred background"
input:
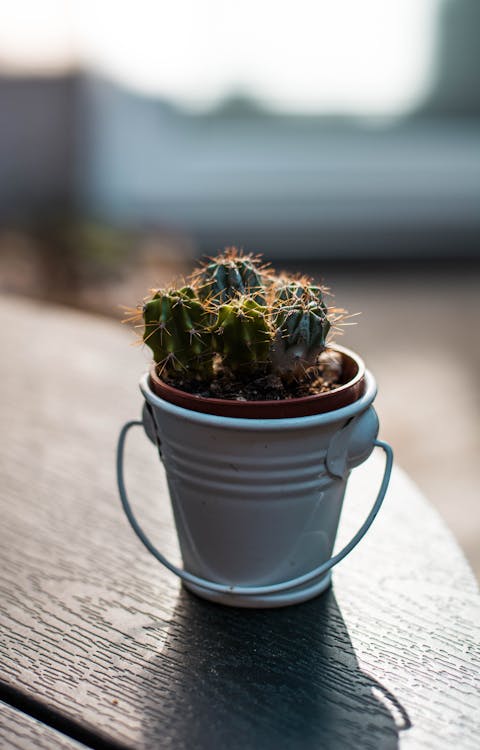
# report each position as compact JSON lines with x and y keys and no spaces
{"x":340,"y":138}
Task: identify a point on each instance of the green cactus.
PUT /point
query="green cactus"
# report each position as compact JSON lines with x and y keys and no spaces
{"x":230,"y":275}
{"x":176,"y":330}
{"x":300,"y":327}
{"x":291,"y":290}
{"x":236,"y":313}
{"x":241,"y":334}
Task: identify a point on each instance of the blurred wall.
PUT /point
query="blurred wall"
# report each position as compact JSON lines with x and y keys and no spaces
{"x":79,"y":145}
{"x":87,"y":145}
{"x":456,"y":84}
{"x":37,"y":144}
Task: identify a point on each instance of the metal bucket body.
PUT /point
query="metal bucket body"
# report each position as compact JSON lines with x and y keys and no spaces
{"x":258,"y":501}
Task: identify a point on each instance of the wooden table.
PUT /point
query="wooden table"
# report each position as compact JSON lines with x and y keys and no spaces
{"x":101,"y":647}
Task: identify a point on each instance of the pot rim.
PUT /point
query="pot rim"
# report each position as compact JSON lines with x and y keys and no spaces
{"x":363,"y":378}
{"x":303,"y":406}
{"x":242,"y":423}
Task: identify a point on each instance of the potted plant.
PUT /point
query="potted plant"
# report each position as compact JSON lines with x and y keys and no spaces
{"x":259,"y":418}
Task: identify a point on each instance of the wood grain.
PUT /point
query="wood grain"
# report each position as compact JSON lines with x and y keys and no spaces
{"x":93,"y":627}
{"x":21,"y":732}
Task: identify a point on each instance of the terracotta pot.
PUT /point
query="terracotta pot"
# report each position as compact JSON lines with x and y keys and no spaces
{"x":349,"y":391}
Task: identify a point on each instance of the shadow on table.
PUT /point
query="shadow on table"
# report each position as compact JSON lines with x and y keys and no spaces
{"x":285,"y":678}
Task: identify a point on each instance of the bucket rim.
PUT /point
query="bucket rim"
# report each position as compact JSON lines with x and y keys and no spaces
{"x":262,"y":424}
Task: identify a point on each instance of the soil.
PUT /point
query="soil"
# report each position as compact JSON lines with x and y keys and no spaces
{"x":324,"y":377}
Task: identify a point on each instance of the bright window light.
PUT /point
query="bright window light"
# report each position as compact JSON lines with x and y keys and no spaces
{"x":372,"y":57}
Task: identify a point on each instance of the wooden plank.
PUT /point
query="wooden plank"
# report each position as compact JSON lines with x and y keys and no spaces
{"x":19,"y":731}
{"x":93,"y":627}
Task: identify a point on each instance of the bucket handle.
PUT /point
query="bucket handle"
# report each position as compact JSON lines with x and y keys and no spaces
{"x":225,"y":588}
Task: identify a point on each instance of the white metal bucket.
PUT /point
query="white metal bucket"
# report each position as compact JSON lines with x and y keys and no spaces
{"x":257,"y":502}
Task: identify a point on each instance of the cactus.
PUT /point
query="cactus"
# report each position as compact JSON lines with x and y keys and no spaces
{"x":231,"y":275}
{"x":176,"y":330}
{"x":300,"y":323}
{"x":234,"y":312}
{"x":289,"y":290}
{"x":241,"y":334}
